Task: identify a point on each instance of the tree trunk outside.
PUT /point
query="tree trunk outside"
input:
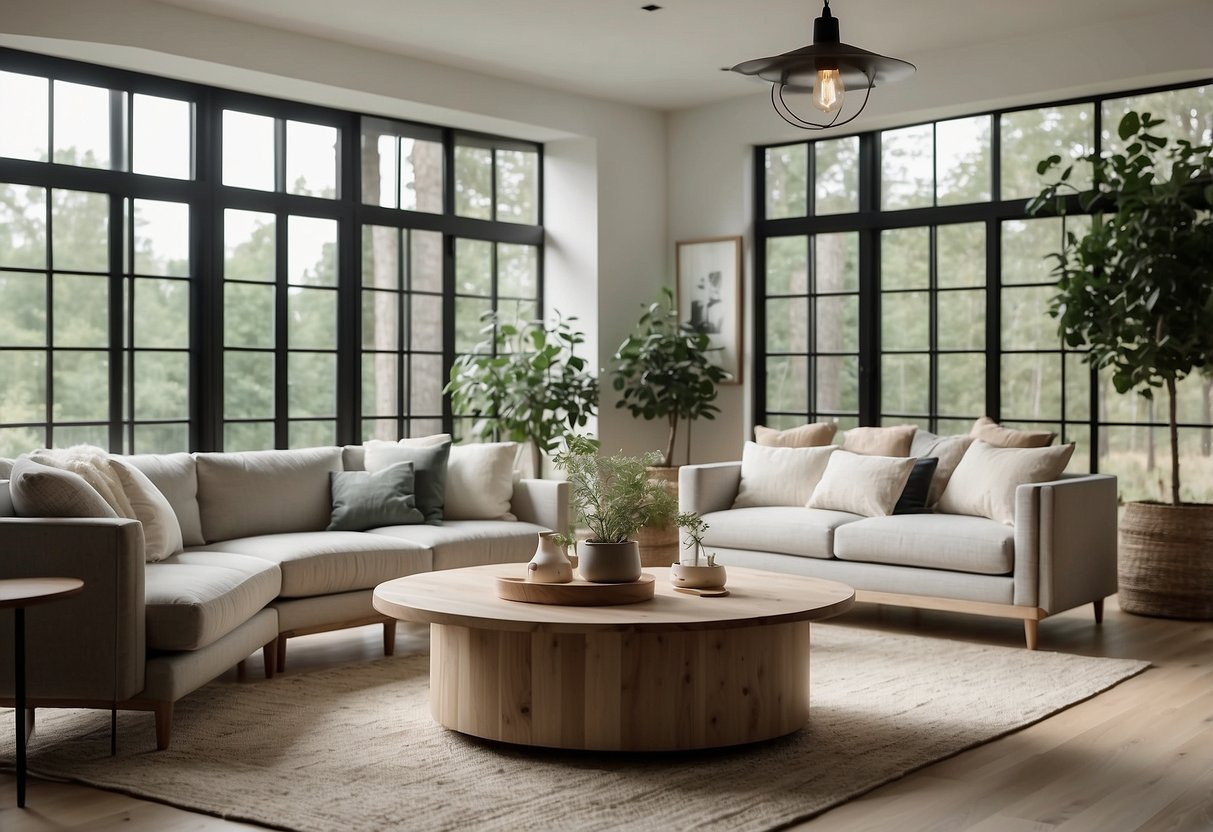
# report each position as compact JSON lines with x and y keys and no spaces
{"x":1174,"y":421}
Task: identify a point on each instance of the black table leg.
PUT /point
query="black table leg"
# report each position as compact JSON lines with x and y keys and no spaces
{"x":19,"y":684}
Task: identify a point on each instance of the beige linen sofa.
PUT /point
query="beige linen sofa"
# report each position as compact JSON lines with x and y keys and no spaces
{"x":258,"y":567}
{"x":1060,"y":552}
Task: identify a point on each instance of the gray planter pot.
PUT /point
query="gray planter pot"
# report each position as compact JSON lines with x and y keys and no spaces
{"x":608,"y":563}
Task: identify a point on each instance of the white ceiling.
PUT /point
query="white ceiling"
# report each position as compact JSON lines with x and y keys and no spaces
{"x":667,"y":59}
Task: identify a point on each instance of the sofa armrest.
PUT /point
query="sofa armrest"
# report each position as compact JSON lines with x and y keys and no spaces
{"x":542,"y":502}
{"x":1065,"y":542}
{"x":91,"y":646}
{"x":710,"y":487}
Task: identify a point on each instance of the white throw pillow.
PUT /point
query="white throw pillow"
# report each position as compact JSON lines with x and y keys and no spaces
{"x":424,"y":441}
{"x":161,"y":529}
{"x":480,"y":481}
{"x":949,"y":450}
{"x":779,"y":476}
{"x":44,"y":491}
{"x":984,"y":482}
{"x":862,"y":484}
{"x":91,"y":463}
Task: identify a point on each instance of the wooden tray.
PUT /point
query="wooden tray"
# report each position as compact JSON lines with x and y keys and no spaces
{"x":577,"y":593}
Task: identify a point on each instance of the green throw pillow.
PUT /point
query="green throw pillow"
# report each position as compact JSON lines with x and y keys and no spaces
{"x":429,"y":467}
{"x":362,"y":500}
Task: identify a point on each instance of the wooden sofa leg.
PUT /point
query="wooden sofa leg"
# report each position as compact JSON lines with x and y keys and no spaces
{"x":281,"y":651}
{"x":164,"y":725}
{"x":269,"y":655}
{"x":1030,"y":626}
{"x":389,"y":637}
{"x":1098,"y":605}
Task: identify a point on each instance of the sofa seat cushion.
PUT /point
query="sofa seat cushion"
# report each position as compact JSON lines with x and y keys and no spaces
{"x":787,"y":530}
{"x":936,"y":541}
{"x":321,"y":563}
{"x":196,"y":598}
{"x":459,"y":543}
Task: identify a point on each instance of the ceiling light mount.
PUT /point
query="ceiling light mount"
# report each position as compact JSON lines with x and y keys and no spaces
{"x":826,"y":69}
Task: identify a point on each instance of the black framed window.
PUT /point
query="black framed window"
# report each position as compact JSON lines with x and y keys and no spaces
{"x":937,"y":312}
{"x":188,"y":268}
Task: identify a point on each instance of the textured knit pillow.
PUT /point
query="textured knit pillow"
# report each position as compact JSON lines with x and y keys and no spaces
{"x":366,"y":500}
{"x":862,"y":484}
{"x":429,"y":471}
{"x":480,"y":481}
{"x":42,"y":491}
{"x":989,"y":431}
{"x":806,"y":436}
{"x":779,"y":476}
{"x":914,"y":497}
{"x":161,"y":530}
{"x":890,"y":441}
{"x":984,"y":482}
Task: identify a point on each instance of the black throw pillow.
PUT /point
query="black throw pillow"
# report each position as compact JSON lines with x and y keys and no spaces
{"x":913,"y":498}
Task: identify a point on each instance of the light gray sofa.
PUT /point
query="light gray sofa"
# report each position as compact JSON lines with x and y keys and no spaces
{"x":1060,"y":553}
{"x":257,"y":569}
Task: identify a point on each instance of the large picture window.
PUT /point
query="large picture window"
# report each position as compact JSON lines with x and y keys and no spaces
{"x":187,"y":268}
{"x":901,"y":280}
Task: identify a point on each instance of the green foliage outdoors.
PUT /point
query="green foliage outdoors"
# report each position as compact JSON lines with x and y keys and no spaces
{"x":613,"y":496}
{"x":525,"y":383}
{"x":1137,"y":289}
{"x":664,"y":370}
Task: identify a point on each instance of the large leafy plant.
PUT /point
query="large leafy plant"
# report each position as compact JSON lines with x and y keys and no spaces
{"x":613,"y":496}
{"x":664,"y":370}
{"x":1137,"y":289}
{"x":525,"y":383}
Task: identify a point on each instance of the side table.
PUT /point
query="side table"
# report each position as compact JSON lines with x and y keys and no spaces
{"x":19,"y":593}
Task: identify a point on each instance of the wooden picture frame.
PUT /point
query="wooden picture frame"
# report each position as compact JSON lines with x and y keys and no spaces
{"x":708,"y":293}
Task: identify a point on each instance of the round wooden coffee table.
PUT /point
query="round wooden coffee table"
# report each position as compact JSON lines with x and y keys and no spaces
{"x":672,"y":673}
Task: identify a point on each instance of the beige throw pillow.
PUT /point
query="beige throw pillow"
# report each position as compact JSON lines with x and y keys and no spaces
{"x":480,"y":481}
{"x":91,"y":463}
{"x":949,"y":450}
{"x":862,"y":484}
{"x":161,"y":530}
{"x":989,"y":431}
{"x":984,"y":482}
{"x":779,"y":476}
{"x":806,"y":436}
{"x":890,"y":441}
{"x":43,"y":491}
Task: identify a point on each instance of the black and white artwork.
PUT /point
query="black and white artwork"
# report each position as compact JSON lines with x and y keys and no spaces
{"x":709,"y":296}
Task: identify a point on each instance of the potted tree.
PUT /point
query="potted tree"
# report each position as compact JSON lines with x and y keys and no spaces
{"x":664,"y":370}
{"x":1137,"y":292}
{"x":526,"y":384}
{"x":613,"y":497}
{"x":694,"y":574}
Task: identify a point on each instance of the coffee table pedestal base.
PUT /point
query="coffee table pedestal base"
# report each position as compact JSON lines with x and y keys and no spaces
{"x":622,"y":690}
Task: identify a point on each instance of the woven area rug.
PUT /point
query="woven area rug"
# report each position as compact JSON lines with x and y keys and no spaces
{"x":354,"y":748}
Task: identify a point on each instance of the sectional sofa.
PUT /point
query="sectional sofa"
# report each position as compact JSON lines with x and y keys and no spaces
{"x":258,"y":567}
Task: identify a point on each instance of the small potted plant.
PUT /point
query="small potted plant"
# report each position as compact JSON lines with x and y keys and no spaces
{"x":613,"y":497}
{"x":693,"y":574}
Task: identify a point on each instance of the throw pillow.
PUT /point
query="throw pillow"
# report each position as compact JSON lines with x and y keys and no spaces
{"x":43,"y":491}
{"x":862,"y":483}
{"x":161,"y":531}
{"x":480,"y":481}
{"x":890,"y":441}
{"x":425,"y":441}
{"x":949,"y":450}
{"x":806,"y":436}
{"x":779,"y":476}
{"x":429,"y":472}
{"x":989,"y":431}
{"x":91,"y":463}
{"x":984,"y":482}
{"x":366,"y":500}
{"x":914,"y":497}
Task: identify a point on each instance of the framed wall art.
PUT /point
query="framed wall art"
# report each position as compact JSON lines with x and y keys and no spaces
{"x":709,"y":296}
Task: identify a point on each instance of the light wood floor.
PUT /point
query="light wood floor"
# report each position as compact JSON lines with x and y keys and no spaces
{"x":1137,"y":757}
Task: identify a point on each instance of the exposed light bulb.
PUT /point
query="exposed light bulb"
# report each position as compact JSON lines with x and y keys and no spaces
{"x":828,"y":91}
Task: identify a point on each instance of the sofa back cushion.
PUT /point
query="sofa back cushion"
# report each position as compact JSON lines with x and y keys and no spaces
{"x":265,"y":492}
{"x":43,"y":491}
{"x":176,"y":476}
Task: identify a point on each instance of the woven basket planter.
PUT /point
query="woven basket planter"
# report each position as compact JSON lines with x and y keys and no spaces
{"x":1166,"y":560}
{"x":659,"y":544}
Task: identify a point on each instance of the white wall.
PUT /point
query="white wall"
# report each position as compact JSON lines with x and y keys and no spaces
{"x":709,"y":164}
{"x":606,"y":224}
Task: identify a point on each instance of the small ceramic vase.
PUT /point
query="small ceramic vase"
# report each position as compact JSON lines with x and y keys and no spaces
{"x":609,"y":563}
{"x":549,"y":564}
{"x":697,"y":577}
